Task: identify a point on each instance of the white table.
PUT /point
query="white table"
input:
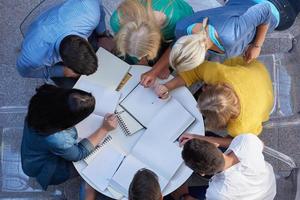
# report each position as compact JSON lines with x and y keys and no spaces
{"x":183,"y":96}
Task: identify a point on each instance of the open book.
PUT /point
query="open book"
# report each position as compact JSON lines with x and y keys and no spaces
{"x":111,"y":70}
{"x":101,"y":169}
{"x":158,"y":139}
{"x":143,"y":104}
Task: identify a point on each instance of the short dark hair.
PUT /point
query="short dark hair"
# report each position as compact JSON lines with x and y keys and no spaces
{"x":144,"y":186}
{"x":78,"y":55}
{"x":203,"y":157}
{"x":54,"y":109}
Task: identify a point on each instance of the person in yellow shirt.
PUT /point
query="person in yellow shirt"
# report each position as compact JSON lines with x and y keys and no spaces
{"x":237,"y":96}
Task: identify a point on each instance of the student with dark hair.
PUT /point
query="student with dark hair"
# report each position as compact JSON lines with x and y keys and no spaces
{"x":144,"y":186}
{"x":56,"y":45}
{"x":49,"y":143}
{"x":239,"y":173}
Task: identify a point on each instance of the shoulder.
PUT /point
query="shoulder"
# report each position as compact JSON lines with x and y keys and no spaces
{"x":246,"y":146}
{"x":63,"y":139}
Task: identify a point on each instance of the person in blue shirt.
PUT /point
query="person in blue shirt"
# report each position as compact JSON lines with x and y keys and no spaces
{"x":49,"y":143}
{"x":238,"y":28}
{"x":56,"y":45}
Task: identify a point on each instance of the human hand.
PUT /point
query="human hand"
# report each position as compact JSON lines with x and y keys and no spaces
{"x":252,"y":53}
{"x":164,"y":74}
{"x":68,"y":72}
{"x":110,"y":122}
{"x":185,"y":138}
{"x":148,"y":79}
{"x":161,"y":91}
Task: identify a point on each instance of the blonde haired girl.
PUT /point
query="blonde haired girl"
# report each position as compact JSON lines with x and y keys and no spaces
{"x":238,"y":28}
{"x":238,"y":96}
{"x":141,"y":26}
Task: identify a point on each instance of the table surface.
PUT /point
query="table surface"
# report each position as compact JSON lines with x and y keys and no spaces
{"x":182,"y":95}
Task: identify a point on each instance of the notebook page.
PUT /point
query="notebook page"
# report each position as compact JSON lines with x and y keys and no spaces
{"x":103,"y":167}
{"x":171,"y":121}
{"x":143,"y":104}
{"x":89,"y":125}
{"x":106,"y":99}
{"x":128,"y":124}
{"x":111,"y":70}
{"x":123,"y":177}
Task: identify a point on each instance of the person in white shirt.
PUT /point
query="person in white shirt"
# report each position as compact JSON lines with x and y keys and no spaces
{"x":240,"y":173}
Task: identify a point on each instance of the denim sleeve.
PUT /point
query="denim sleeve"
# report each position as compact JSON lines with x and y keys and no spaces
{"x":65,"y":146}
{"x":256,"y":15}
{"x":30,"y":69}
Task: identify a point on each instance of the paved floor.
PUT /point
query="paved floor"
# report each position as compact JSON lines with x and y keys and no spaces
{"x":16,"y":91}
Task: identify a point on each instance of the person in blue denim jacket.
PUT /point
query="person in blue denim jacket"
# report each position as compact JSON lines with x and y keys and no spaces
{"x":49,"y":143}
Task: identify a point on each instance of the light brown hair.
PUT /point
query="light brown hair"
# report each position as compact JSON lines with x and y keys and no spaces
{"x":139,"y":35}
{"x":218,"y":104}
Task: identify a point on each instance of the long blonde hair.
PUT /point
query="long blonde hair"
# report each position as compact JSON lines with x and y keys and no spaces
{"x":189,"y":51}
{"x":140,"y":34}
{"x":218,"y":104}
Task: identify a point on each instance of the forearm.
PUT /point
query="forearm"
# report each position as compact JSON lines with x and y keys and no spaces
{"x":98,"y":136}
{"x":220,"y":141}
{"x":162,"y":63}
{"x":175,"y":83}
{"x":261,"y":33}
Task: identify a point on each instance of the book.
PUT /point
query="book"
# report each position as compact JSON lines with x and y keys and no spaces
{"x":101,"y":169}
{"x":111,"y":70}
{"x":168,"y":124}
{"x":127,"y":123}
{"x":143,"y":104}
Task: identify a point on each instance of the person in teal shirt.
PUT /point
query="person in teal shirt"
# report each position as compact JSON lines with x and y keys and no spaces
{"x":142,"y":27}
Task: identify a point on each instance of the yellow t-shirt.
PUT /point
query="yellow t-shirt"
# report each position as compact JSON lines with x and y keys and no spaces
{"x":252,"y":84}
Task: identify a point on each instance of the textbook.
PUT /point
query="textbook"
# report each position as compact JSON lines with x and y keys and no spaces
{"x":159,"y":139}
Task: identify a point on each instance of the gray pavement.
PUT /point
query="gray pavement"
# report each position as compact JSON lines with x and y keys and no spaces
{"x":16,"y":91}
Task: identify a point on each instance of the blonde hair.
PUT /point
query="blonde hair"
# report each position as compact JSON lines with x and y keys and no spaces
{"x":218,"y":104}
{"x":140,"y":34}
{"x":189,"y":51}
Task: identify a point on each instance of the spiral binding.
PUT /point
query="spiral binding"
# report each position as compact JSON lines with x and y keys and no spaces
{"x":123,"y":125}
{"x":98,"y":147}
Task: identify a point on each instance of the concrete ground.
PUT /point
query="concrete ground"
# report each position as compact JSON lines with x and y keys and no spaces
{"x":282,"y":56}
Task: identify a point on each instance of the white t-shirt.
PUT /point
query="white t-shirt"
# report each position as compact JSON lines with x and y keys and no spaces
{"x":250,"y":179}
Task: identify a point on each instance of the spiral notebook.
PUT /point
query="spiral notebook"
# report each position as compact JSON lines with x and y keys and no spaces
{"x":127,"y":122}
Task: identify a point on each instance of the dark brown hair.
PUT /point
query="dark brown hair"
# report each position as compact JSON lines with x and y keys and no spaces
{"x":54,"y":109}
{"x":144,"y":186}
{"x":78,"y":55}
{"x":203,"y":157}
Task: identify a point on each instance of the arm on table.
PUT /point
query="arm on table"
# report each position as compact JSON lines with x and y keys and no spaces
{"x":148,"y":78}
{"x":218,"y":141}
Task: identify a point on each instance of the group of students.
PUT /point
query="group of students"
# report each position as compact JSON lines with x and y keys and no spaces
{"x":236,"y":94}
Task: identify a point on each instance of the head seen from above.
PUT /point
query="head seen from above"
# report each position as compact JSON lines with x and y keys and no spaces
{"x":144,"y":186}
{"x":78,"y":55}
{"x":189,"y":51}
{"x":203,"y":157}
{"x":54,"y":109}
{"x":140,"y":34}
{"x":218,"y":104}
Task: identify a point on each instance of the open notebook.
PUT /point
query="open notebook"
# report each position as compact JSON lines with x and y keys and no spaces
{"x":143,"y":104}
{"x":111,"y":70}
{"x":158,"y":140}
{"x":101,"y":169}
